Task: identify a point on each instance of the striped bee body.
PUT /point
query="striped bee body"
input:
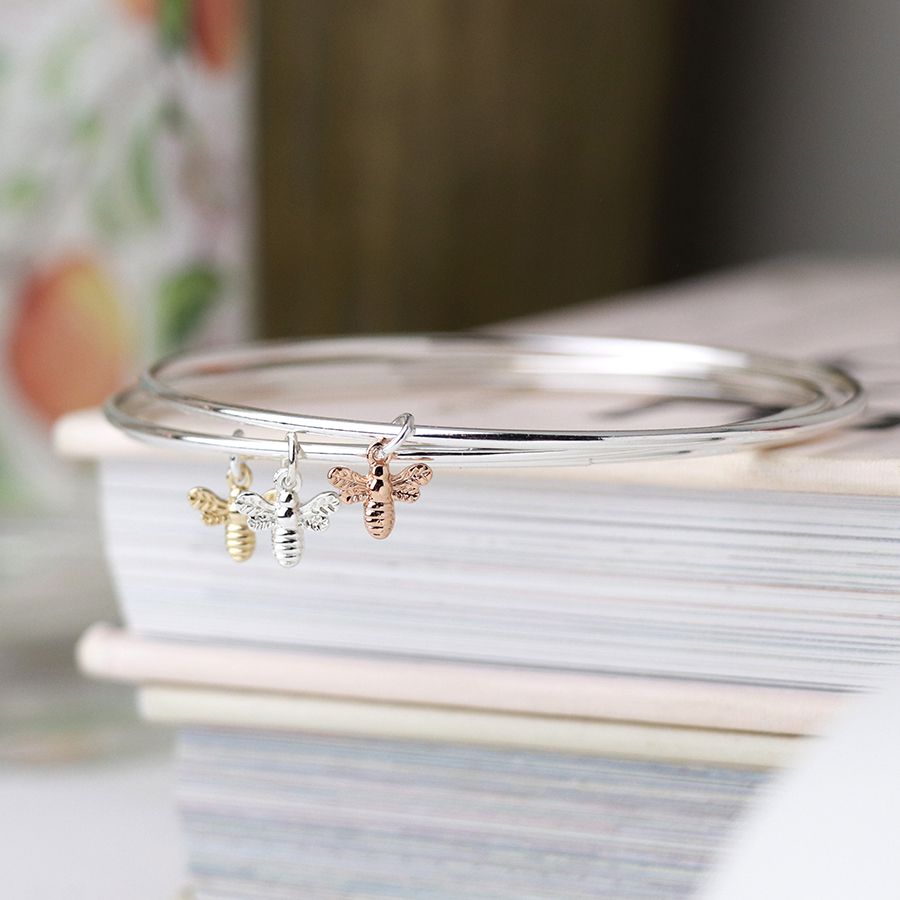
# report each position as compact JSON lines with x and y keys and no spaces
{"x":240,"y":541}
{"x":287,"y":538}
{"x":378,"y":508}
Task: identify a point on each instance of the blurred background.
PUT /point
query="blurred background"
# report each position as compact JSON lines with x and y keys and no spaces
{"x":178,"y":172}
{"x":441,"y":164}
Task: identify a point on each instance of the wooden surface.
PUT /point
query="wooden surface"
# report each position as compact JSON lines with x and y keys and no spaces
{"x":442,"y":163}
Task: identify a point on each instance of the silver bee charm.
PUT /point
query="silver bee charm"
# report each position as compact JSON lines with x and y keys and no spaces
{"x":284,"y":514}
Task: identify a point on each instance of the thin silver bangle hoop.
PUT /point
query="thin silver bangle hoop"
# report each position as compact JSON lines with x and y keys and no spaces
{"x":808,"y":398}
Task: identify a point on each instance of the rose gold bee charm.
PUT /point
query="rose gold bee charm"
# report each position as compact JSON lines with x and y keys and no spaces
{"x":378,"y":489}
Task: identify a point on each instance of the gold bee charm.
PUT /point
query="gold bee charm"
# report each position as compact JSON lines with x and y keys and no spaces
{"x":240,"y":540}
{"x":378,"y":490}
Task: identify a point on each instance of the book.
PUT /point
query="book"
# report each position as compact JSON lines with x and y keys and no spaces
{"x":111,"y":653}
{"x":278,"y":800}
{"x":255,"y":711}
{"x":772,"y":568}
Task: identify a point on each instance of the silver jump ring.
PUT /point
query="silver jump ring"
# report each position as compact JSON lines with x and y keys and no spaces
{"x":236,"y":465}
{"x":407,"y":423}
{"x":290,"y":475}
{"x":295,"y":450}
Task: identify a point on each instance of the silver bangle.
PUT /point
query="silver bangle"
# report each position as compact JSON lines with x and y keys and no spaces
{"x":809,"y":398}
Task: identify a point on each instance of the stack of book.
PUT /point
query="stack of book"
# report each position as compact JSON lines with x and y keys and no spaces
{"x":560,"y":683}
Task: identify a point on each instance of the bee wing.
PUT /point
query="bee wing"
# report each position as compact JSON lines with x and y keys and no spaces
{"x":351,"y":484}
{"x":259,"y":511}
{"x":315,"y":514}
{"x":405,"y":485}
{"x":213,"y":509}
{"x":408,"y":493}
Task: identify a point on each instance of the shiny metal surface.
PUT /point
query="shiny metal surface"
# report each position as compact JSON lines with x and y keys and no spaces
{"x":240,"y":541}
{"x":808,"y":398}
{"x":379,"y":488}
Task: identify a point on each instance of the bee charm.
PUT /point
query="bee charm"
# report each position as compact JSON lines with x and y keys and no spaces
{"x":281,"y":511}
{"x":378,"y":490}
{"x":240,"y":541}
